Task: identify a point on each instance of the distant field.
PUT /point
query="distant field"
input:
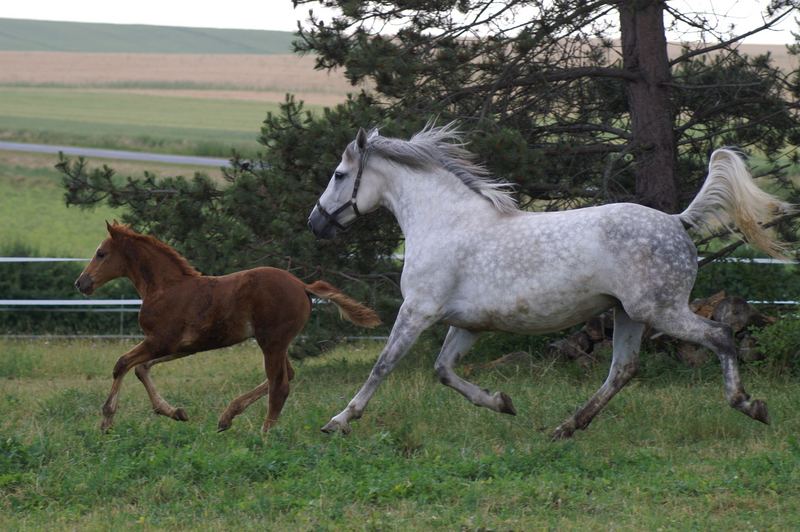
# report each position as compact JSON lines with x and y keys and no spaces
{"x":32,"y":209}
{"x":91,"y":37}
{"x":276,"y":74}
{"x":134,"y":121}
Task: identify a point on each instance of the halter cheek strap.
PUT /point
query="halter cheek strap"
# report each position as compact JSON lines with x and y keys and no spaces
{"x":331,"y":216}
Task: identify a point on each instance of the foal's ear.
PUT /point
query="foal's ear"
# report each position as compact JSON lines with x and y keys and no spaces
{"x":111,"y":230}
{"x":361,"y":139}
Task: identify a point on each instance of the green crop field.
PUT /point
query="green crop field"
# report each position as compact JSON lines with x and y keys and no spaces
{"x":51,"y":36}
{"x":134,"y":121}
{"x":32,"y":209}
{"x":667,"y":453}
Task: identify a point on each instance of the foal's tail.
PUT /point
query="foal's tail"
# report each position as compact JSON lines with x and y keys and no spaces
{"x":349,"y":308}
{"x":730,"y":195}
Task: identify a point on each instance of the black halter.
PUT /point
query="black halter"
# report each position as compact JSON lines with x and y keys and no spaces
{"x":331,"y":216}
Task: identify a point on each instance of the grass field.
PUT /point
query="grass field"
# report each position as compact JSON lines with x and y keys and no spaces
{"x":16,"y":34}
{"x":665,"y":454}
{"x":32,"y":209}
{"x":145,"y":122}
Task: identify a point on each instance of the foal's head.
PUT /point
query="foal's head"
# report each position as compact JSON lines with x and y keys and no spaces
{"x":108,"y":263}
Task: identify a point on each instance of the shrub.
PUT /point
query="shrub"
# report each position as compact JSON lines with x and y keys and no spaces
{"x":780,"y":345}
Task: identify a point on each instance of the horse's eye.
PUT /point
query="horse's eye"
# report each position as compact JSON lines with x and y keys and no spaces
{"x":100,"y":254}
{"x":339,"y":175}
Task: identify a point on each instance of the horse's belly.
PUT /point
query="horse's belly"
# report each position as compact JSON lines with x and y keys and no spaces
{"x":528,"y":316}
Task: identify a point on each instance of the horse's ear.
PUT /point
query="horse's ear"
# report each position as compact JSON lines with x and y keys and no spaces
{"x":361,"y":139}
{"x":111,"y":229}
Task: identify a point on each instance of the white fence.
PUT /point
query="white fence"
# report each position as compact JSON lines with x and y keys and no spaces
{"x":123,"y":306}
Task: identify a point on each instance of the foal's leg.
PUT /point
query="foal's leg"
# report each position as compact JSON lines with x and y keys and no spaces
{"x":140,"y":353}
{"x":455,"y":346}
{"x":683,"y":324}
{"x":276,"y":361}
{"x":279,"y":373}
{"x":624,"y":362}
{"x":160,"y":406}
{"x":407,"y":328}
{"x":240,"y":404}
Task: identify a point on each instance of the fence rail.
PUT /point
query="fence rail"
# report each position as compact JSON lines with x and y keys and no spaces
{"x":123,"y":306}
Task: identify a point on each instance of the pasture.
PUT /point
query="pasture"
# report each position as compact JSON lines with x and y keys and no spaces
{"x":666,"y":453}
{"x":32,"y":209}
{"x":131,"y":121}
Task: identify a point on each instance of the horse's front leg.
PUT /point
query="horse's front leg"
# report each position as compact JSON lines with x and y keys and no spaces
{"x":407,"y":328}
{"x":455,"y":346}
{"x":139,"y":354}
{"x":160,"y":405}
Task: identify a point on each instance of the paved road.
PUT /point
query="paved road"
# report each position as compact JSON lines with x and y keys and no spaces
{"x":115,"y":154}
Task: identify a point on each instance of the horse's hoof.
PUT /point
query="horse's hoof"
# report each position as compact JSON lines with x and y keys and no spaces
{"x":506,"y":406}
{"x":563,"y":432}
{"x":758,"y":411}
{"x":180,"y":415}
{"x":105,"y":425}
{"x":335,"y":426}
{"x":223,"y":425}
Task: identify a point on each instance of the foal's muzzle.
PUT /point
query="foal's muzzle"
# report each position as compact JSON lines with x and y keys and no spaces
{"x":85,"y":284}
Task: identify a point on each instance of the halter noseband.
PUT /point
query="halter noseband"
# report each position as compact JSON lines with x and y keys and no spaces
{"x":331,"y":216}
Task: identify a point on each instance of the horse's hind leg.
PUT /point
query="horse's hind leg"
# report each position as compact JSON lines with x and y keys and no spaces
{"x":160,"y":405}
{"x":625,"y":360}
{"x":240,"y":404}
{"x":279,"y":373}
{"x":686,"y":325}
{"x":456,"y":344}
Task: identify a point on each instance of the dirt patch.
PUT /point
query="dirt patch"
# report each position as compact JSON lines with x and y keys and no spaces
{"x":260,"y":76}
{"x":312,"y":98}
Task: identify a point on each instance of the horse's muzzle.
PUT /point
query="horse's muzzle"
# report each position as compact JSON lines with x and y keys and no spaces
{"x":321,"y":226}
{"x":85,"y":284}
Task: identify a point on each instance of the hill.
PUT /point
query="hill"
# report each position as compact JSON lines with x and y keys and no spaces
{"x":49,"y":36}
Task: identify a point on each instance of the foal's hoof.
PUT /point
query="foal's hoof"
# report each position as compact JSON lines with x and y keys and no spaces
{"x":336,"y":426}
{"x":180,"y":415}
{"x":105,"y":425}
{"x":224,"y":424}
{"x":563,"y":432}
{"x":505,"y":404}
{"x":758,"y":411}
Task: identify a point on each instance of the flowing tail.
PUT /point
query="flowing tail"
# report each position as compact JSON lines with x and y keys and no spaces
{"x":729,"y":195}
{"x":349,"y":308}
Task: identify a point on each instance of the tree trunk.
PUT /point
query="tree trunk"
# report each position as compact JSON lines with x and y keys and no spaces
{"x":644,"y":52}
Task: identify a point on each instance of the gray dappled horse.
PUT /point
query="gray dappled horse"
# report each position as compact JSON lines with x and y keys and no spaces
{"x":476,"y":262}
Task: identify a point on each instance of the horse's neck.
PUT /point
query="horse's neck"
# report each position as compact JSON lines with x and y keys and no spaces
{"x":152,"y":271}
{"x":423,"y":201}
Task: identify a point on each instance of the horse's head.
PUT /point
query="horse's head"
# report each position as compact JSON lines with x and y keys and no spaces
{"x":351,"y":192}
{"x":108,"y":263}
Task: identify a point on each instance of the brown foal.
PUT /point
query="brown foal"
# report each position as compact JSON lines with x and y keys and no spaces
{"x":184,"y":312}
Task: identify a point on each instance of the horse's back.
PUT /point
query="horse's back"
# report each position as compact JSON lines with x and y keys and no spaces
{"x":539,"y":272}
{"x":208,"y":312}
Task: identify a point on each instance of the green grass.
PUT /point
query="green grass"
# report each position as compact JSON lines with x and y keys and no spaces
{"x":32,"y":211}
{"x":666,"y":453}
{"x":131,"y":121}
{"x":51,"y":36}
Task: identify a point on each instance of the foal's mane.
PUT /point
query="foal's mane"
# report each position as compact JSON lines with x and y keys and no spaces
{"x":131,"y":237}
{"x":444,"y":146}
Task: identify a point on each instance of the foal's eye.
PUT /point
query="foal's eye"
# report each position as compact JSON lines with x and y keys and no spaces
{"x":100,"y":254}
{"x":339,"y":175}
